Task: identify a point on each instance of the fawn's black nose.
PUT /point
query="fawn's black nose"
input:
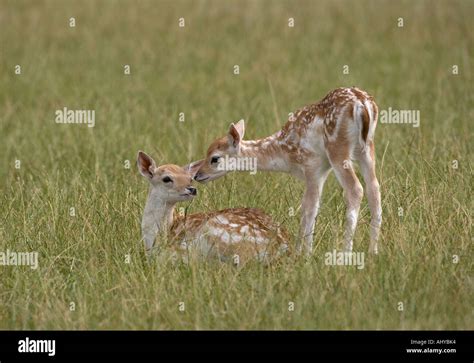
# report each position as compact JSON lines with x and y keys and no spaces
{"x":192,"y":190}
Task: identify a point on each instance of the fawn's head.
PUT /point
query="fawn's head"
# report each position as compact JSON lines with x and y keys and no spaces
{"x":171,"y":182}
{"x":229,"y":146}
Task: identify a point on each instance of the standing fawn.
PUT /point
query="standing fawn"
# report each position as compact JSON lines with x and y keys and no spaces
{"x":327,"y":135}
{"x":236,"y":235}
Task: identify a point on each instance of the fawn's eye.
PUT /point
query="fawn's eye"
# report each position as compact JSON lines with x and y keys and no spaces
{"x":167,"y":179}
{"x":215,"y":159}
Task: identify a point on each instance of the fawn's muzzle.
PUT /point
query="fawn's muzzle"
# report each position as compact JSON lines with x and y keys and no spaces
{"x":199,"y":177}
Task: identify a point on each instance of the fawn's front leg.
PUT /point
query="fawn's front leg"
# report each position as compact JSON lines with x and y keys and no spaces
{"x":310,"y":208}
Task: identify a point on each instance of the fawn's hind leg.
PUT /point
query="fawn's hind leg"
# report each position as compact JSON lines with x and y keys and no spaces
{"x":367,"y":166}
{"x":353,"y":193}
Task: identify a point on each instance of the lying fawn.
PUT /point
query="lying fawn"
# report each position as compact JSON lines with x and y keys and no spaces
{"x":317,"y":138}
{"x":236,"y":235}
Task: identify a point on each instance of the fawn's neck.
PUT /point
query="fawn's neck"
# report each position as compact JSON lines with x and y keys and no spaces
{"x":157,"y":217}
{"x":268,"y":152}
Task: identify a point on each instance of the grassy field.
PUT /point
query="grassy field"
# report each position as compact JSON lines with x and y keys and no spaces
{"x":83,"y":280}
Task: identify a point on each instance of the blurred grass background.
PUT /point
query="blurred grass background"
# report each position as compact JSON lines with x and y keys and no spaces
{"x":190,"y":70}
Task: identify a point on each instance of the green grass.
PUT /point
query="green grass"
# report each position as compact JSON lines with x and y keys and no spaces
{"x":190,"y":70}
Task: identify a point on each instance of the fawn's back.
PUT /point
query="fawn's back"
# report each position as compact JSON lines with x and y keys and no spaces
{"x":242,"y":233}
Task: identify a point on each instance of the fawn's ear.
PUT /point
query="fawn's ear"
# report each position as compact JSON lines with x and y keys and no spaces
{"x":236,"y":133}
{"x":193,"y":167}
{"x":146,"y":165}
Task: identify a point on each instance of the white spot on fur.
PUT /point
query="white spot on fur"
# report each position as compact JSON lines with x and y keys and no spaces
{"x":222,"y":219}
{"x":223,"y":235}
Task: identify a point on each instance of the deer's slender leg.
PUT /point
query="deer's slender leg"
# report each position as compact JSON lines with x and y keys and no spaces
{"x":353,"y":193}
{"x":310,"y":207}
{"x":367,"y":165}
